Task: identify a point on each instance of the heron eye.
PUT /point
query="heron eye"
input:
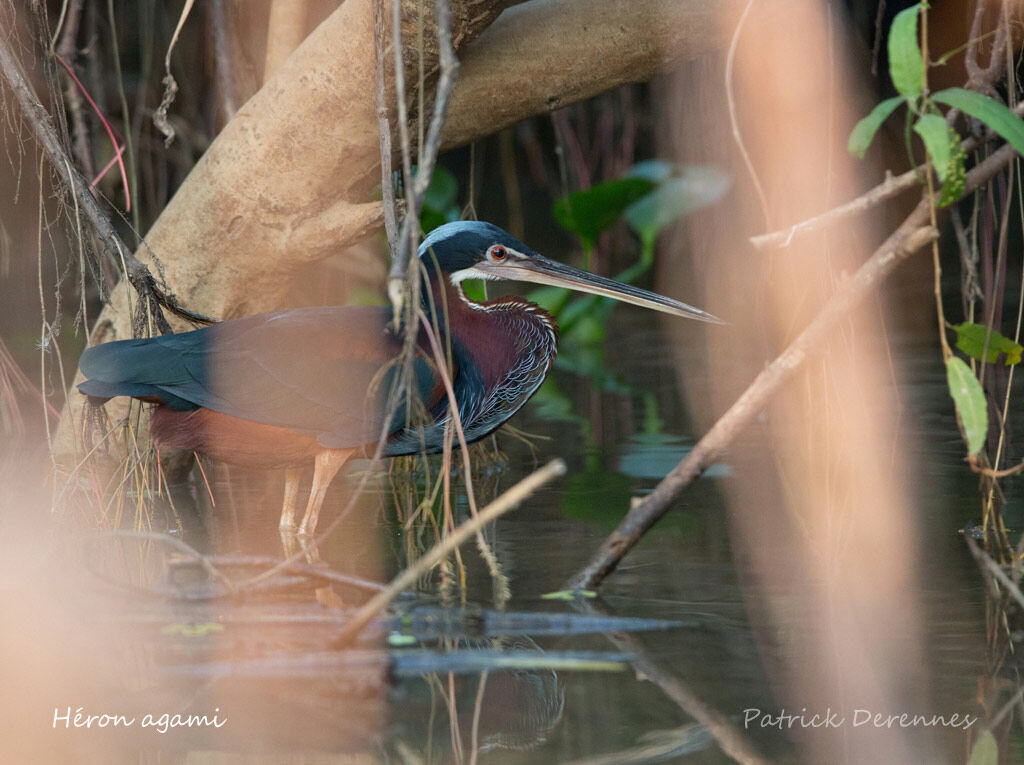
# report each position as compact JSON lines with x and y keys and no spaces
{"x":497,"y":252}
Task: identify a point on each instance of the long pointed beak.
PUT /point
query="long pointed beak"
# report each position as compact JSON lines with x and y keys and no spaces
{"x":540,"y":270}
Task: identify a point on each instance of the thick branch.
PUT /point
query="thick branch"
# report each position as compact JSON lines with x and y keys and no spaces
{"x":912,"y":234}
{"x":547,"y":54}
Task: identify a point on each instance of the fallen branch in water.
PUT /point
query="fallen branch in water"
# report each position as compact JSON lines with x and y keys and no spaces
{"x":442,"y":549}
{"x":912,"y":234}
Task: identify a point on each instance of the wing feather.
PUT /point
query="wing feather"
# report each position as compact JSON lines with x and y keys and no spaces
{"x":323,"y":371}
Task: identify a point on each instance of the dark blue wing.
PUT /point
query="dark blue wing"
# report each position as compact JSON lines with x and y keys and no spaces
{"x":323,"y":371}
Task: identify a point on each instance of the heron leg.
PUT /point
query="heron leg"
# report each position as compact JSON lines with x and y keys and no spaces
{"x":292,"y":477}
{"x":328,"y":463}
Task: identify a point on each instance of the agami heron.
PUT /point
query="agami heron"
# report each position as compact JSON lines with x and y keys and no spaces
{"x":285,"y":388}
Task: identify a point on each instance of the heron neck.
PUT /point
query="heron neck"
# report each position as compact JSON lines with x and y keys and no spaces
{"x":498,"y":336}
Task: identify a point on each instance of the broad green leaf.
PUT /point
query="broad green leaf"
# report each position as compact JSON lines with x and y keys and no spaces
{"x":474,"y":289}
{"x":976,"y":339}
{"x":587,"y":213}
{"x":575,"y":309}
{"x":906,"y":67}
{"x":863,"y":132}
{"x":442,"y":191}
{"x":600,"y":308}
{"x":695,"y":188}
{"x":935,"y":133}
{"x":956,"y":172}
{"x":991,"y":112}
{"x":970,"y":402}
{"x":551,"y":299}
{"x":985,"y":750}
{"x":439,"y":202}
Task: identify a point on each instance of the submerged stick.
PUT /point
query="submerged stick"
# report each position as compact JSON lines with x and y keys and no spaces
{"x":914,"y":233}
{"x":438,"y":552}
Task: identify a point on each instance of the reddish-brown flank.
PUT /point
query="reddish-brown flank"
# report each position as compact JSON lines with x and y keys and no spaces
{"x":232,"y":440}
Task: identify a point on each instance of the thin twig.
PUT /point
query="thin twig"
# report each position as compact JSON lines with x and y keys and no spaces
{"x":980,"y":469}
{"x":118,"y":149}
{"x":111,"y":245}
{"x":415,"y":191}
{"x":929,"y":176}
{"x":975,"y":74}
{"x":1005,"y":710}
{"x":387,"y":182}
{"x":442,"y":549}
{"x":177,"y":544}
{"x":453,"y":407}
{"x":988,"y":564}
{"x":67,"y":29}
{"x":734,"y":120}
{"x":889,"y":188}
{"x":320,"y":571}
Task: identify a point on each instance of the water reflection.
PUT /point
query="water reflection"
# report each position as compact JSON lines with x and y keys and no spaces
{"x":653,"y":455}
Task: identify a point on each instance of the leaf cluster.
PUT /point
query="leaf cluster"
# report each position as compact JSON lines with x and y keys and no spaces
{"x":908,"y":71}
{"x":649,"y":198}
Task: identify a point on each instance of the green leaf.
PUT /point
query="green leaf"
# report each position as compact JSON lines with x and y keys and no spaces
{"x":474,"y":289}
{"x":442,"y":191}
{"x":440,"y":201}
{"x":991,"y":112}
{"x":863,"y":132}
{"x":399,"y":639}
{"x":970,"y":402}
{"x":956,"y":171}
{"x":906,"y":67}
{"x":551,"y":299}
{"x":587,"y":213}
{"x":971,"y":339}
{"x":695,"y":188}
{"x":935,"y":133}
{"x":985,"y":750}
